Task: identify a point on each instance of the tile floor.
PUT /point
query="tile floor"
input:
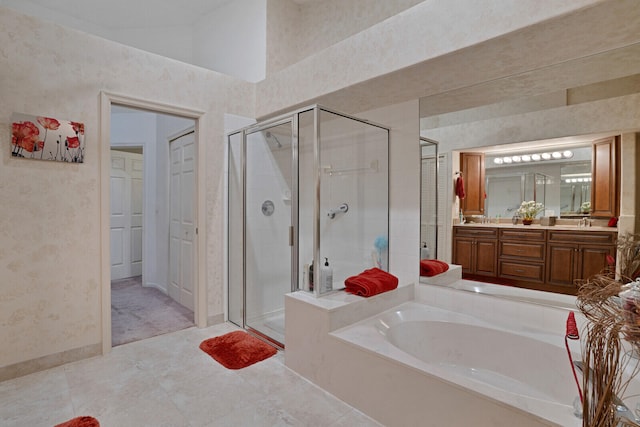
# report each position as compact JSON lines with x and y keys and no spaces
{"x":168,"y":381}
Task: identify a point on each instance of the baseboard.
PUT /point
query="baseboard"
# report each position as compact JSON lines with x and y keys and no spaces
{"x":50,"y":361}
{"x":156,"y":286}
{"x":215,"y":319}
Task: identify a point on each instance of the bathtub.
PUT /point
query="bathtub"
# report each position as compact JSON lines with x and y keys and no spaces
{"x":526,"y":369}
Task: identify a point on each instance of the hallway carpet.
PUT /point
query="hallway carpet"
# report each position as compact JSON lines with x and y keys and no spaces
{"x":139,"y":312}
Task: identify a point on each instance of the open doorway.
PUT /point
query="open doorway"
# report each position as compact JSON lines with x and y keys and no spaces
{"x":144,"y":199}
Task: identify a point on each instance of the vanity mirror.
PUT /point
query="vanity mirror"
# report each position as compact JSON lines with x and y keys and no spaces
{"x":562,"y":149}
{"x":558,"y":176}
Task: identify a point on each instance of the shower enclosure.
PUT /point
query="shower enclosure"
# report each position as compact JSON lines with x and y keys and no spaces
{"x":432,"y":187}
{"x":305,"y":189}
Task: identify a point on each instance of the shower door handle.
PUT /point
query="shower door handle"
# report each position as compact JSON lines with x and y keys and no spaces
{"x":291,"y":235}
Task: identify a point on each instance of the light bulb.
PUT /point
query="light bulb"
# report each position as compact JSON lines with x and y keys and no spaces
{"x":535,"y":157}
{"x":507,"y":159}
{"x":497,"y":161}
{"x":567,"y":154}
{"x":526,"y":158}
{"x":546,"y":156}
{"x":516,"y":159}
{"x":556,"y":155}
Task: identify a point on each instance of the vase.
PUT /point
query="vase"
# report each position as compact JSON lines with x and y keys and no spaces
{"x":527,"y":221}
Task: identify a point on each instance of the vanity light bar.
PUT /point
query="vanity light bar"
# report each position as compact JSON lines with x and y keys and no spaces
{"x":572,"y":180}
{"x":536,"y":157}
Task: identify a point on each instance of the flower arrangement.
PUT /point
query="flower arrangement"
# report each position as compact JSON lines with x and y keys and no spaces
{"x":529,"y":209}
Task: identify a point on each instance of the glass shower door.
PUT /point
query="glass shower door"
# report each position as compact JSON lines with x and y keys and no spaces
{"x":268,"y":233}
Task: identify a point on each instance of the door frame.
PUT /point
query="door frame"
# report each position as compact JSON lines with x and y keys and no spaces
{"x":106,"y":101}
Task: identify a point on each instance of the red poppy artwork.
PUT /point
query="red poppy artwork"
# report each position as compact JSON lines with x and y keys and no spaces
{"x":46,"y":138}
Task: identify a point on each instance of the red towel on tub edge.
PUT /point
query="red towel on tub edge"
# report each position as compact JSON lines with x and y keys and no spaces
{"x":371,"y":282}
{"x":432,"y":267}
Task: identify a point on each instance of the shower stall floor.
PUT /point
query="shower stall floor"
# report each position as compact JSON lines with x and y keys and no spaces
{"x":270,"y":324}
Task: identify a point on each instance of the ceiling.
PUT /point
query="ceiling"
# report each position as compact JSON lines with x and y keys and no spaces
{"x":122,"y":14}
{"x":128,"y":14}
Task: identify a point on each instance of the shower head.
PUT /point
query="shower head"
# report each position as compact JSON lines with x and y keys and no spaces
{"x":269,"y":135}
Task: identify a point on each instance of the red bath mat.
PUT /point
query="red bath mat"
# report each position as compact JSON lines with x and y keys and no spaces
{"x":80,"y":422}
{"x":237,"y":350}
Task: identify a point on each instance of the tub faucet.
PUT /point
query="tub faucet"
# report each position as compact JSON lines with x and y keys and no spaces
{"x":621,"y":409}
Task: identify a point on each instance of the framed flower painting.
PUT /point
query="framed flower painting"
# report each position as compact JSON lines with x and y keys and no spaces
{"x":46,"y":138}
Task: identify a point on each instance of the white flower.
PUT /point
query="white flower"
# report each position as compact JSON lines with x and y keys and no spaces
{"x":529,"y":209}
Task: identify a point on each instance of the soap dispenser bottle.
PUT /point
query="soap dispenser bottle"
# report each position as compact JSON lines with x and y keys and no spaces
{"x":424,"y":251}
{"x":326,"y":277}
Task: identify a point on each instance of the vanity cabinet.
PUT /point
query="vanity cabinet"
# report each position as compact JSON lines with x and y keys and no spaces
{"x":537,"y":258}
{"x":577,"y":255}
{"x":605,"y":173}
{"x":472,"y":167}
{"x":476,"y":250}
{"x":522,"y":254}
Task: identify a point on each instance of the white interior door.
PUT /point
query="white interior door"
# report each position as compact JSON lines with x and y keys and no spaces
{"x":126,"y":214}
{"x":182,"y":220}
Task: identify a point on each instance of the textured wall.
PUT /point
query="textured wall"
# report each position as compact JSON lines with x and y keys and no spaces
{"x":50,"y":217}
{"x":436,"y":47}
{"x":297,"y":31}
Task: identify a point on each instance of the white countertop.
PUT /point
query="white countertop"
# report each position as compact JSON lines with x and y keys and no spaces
{"x":539,"y":227}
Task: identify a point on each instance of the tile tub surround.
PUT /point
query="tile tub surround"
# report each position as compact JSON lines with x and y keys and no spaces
{"x":417,"y":398}
{"x":169,"y":381}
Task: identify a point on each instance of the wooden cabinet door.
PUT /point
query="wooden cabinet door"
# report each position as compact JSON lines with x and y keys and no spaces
{"x":561,"y":264}
{"x":472,"y":167}
{"x":605,"y":190}
{"x":593,"y":260}
{"x":463,"y":254}
{"x":486,"y":257}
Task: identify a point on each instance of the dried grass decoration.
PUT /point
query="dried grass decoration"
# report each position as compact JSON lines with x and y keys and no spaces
{"x":611,"y":304}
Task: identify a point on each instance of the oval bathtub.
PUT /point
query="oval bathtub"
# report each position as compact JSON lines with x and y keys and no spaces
{"x":528,"y":370}
{"x":513,"y":363}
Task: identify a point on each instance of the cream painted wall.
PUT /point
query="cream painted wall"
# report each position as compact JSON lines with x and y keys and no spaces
{"x":404,"y":187}
{"x":50,"y":249}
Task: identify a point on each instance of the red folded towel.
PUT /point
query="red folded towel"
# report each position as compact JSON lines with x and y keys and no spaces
{"x":431,"y":267}
{"x":460,"y":187}
{"x":371,"y":282}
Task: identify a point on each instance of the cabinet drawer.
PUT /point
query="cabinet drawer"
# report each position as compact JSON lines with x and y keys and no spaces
{"x":484,"y":232}
{"x":519,"y":234}
{"x":532,"y":272}
{"x":593,"y":237}
{"x":532,"y":251}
